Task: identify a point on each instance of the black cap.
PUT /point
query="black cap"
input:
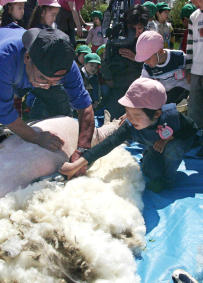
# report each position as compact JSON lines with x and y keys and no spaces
{"x":50,"y":50}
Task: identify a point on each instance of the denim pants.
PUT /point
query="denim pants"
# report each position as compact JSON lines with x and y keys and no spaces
{"x":164,"y":165}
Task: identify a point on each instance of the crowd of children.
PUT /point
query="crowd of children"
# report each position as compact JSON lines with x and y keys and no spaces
{"x":180,"y":74}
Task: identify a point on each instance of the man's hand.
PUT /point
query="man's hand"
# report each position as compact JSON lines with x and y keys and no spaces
{"x":79,"y":31}
{"x":127,"y":53}
{"x":44,"y":139}
{"x":49,"y":141}
{"x":160,"y":144}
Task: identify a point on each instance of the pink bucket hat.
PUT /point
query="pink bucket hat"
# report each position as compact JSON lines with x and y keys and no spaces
{"x":144,"y":93}
{"x":148,"y":43}
{"x":4,"y":2}
{"x":51,"y":3}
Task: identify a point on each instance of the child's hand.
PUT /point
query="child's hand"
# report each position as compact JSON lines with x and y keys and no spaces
{"x":70,"y":169}
{"x":160,"y":144}
{"x":122,"y":119}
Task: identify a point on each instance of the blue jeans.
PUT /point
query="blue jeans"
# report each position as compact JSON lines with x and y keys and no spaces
{"x":164,"y":165}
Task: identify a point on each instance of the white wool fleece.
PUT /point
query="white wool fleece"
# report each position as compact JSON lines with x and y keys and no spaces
{"x":86,"y":229}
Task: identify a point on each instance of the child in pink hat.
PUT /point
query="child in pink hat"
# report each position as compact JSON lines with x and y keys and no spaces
{"x":13,"y":11}
{"x":165,"y":133}
{"x":162,"y":64}
{"x":44,"y":15}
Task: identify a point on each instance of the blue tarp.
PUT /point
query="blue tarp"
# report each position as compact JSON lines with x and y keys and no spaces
{"x":174,"y":222}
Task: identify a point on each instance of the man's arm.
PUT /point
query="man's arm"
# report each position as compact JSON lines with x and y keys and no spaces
{"x":86,"y":130}
{"x":44,"y":139}
{"x":86,"y":126}
{"x":83,"y":23}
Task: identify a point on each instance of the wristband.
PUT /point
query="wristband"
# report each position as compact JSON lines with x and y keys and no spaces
{"x":81,"y":149}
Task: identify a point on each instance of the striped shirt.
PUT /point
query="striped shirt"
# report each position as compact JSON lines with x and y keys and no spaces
{"x":171,"y":73}
{"x":194,"y":51}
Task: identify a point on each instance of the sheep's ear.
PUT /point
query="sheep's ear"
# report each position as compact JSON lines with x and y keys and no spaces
{"x":107,"y":117}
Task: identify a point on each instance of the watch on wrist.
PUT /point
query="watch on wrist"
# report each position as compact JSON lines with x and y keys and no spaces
{"x":81,"y":149}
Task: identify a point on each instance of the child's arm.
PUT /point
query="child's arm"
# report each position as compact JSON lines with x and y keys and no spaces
{"x":118,"y":137}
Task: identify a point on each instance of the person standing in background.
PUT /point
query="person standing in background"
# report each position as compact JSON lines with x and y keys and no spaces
{"x":152,"y":11}
{"x":164,"y":27}
{"x":194,"y":67}
{"x":186,"y":11}
{"x":44,"y":15}
{"x":69,"y":17}
{"x":80,"y":53}
{"x":95,"y":36}
{"x":13,"y":11}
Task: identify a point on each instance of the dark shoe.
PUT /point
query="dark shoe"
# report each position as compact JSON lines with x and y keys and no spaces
{"x":181,"y":276}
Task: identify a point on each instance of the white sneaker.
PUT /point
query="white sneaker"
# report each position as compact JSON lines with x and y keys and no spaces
{"x":181,"y":276}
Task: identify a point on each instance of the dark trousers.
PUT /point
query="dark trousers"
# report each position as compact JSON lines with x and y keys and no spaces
{"x":65,"y":22}
{"x":50,"y":103}
{"x":164,"y":165}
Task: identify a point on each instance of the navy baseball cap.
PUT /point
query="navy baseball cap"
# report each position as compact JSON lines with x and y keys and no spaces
{"x":50,"y":50}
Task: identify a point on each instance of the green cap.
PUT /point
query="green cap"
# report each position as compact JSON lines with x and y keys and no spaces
{"x":97,"y":14}
{"x":162,"y":6}
{"x":151,"y":7}
{"x":187,"y":10}
{"x":83,"y":49}
{"x":101,"y":49}
{"x":92,"y":58}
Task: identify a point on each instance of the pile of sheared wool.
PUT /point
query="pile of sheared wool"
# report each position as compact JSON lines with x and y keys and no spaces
{"x":85,"y":231}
